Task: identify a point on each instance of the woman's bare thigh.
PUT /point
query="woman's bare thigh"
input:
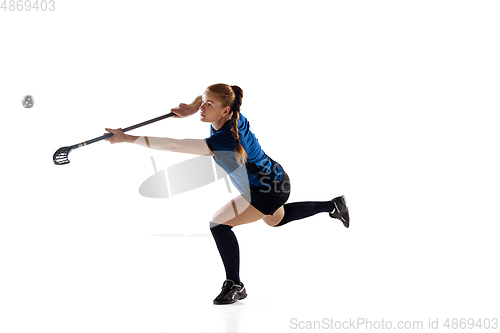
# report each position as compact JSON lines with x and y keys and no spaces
{"x":237,"y":212}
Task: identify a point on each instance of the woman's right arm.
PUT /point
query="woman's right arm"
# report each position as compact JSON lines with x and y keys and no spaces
{"x":186,"y":110}
{"x":188,"y":146}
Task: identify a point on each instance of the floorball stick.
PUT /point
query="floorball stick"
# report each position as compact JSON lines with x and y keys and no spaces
{"x":61,"y":155}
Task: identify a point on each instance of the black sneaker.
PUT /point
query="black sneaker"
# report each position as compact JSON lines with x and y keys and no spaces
{"x":230,"y":293}
{"x":340,"y":211}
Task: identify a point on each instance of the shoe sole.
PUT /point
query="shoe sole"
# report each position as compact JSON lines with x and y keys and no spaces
{"x":345,"y":211}
{"x":345,"y":222}
{"x":236,"y":300}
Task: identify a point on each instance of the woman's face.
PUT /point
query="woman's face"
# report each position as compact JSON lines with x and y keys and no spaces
{"x":212,"y":109}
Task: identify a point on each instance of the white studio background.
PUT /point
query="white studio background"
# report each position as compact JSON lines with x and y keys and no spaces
{"x":392,"y":103}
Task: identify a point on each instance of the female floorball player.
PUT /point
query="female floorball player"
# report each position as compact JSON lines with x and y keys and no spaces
{"x":263,"y":183}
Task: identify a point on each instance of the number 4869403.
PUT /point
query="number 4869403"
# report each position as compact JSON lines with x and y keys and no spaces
{"x":27,"y":5}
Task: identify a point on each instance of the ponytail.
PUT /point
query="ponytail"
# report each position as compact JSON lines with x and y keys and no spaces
{"x":241,"y":155}
{"x":232,"y":96}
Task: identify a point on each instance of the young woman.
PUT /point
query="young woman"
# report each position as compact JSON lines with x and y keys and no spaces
{"x":263,"y":184}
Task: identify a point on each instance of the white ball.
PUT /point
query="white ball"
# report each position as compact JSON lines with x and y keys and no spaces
{"x":28,"y":101}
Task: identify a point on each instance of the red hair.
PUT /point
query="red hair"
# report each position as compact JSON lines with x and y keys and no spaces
{"x":231,"y":96}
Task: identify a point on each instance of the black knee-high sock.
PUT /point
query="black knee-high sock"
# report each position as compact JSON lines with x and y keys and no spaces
{"x":299,"y":210}
{"x":227,"y":244}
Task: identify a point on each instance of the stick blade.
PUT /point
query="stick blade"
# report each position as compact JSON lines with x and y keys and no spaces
{"x":61,"y":156}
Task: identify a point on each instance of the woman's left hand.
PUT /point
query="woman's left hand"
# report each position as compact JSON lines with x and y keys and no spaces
{"x":118,"y":136}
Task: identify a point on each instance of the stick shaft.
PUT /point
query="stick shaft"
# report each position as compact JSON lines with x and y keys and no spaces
{"x":168,"y":115}
{"x":147,"y":122}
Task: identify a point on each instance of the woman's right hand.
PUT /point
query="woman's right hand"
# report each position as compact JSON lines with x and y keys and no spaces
{"x":118,"y":136}
{"x":186,"y":110}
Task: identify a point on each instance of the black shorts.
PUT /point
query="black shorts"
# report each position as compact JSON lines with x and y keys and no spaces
{"x":267,"y":199}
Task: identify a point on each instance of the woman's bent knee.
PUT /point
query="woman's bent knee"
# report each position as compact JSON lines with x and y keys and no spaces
{"x":273,"y":220}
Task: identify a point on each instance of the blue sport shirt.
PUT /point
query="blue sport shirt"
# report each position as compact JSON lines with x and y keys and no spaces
{"x":259,"y":170}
